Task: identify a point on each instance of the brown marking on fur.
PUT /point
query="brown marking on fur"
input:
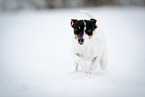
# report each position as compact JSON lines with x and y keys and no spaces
{"x":72,"y":23}
{"x":91,"y":36}
{"x":96,"y":26}
{"x":79,"y":27}
{"x":77,"y":36}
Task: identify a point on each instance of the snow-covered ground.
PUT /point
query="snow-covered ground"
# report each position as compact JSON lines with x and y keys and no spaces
{"x":35,"y":54}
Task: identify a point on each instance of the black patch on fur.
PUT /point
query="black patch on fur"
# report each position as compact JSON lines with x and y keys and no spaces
{"x":79,"y":25}
{"x":73,"y":21}
{"x":79,"y":28}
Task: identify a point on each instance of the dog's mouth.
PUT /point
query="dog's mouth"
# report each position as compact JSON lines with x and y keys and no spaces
{"x":81,"y":43}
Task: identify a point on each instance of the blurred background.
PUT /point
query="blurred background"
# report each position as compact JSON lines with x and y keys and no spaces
{"x":51,"y":4}
{"x":35,"y":48}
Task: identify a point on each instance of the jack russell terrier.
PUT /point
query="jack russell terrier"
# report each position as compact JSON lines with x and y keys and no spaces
{"x":89,"y":44}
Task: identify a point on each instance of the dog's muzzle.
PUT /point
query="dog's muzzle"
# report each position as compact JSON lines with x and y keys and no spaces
{"x":80,"y":41}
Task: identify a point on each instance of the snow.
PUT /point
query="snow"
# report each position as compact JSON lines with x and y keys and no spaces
{"x":35,"y":54}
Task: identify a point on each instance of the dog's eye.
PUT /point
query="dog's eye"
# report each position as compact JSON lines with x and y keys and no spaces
{"x":88,"y":30}
{"x":76,"y":29}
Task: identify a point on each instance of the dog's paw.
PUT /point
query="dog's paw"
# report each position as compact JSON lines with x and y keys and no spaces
{"x":88,"y":72}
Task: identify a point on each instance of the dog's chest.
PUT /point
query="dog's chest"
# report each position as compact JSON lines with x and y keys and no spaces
{"x":87,"y":53}
{"x":90,"y":51}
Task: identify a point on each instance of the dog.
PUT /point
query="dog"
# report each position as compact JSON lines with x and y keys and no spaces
{"x":89,"y":44}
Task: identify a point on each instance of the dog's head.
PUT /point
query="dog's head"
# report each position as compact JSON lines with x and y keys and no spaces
{"x":83,"y":29}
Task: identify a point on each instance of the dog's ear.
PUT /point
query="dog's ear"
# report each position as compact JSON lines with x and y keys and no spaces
{"x":73,"y":21}
{"x":94,"y":23}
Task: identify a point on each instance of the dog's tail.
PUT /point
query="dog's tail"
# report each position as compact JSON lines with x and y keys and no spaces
{"x":87,"y":13}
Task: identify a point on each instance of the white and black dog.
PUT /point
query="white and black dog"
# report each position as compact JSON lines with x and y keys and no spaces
{"x":89,"y":44}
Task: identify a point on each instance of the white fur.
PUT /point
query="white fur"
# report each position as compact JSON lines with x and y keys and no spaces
{"x":87,"y":13}
{"x":93,"y":51}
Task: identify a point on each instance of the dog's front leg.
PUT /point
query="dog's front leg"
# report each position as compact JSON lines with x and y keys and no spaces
{"x":95,"y":62}
{"x":78,"y":60}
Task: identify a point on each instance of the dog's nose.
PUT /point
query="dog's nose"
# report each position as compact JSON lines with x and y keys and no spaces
{"x":81,"y":41}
